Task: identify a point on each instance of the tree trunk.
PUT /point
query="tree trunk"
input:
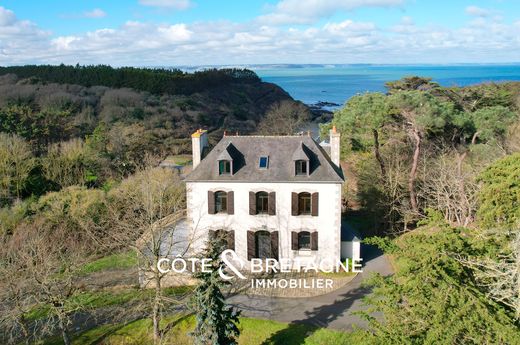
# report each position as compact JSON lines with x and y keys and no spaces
{"x":156,"y":309}
{"x":25,"y":330}
{"x":377,"y":153}
{"x":466,"y":217}
{"x":413,"y":171}
{"x":64,"y":331}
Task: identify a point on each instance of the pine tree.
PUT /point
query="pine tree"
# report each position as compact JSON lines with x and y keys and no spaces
{"x":216,"y":321}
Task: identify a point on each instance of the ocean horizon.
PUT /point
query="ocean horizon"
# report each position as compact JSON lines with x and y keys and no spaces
{"x":336,"y":83}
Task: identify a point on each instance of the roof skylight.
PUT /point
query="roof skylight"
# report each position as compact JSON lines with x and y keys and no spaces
{"x":263,"y":162}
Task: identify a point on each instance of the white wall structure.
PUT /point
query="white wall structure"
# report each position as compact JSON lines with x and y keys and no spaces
{"x":351,"y":249}
{"x":327,"y":223}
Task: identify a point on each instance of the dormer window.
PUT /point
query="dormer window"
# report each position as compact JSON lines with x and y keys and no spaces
{"x":301,"y":160}
{"x":224,"y":167}
{"x":301,"y":167}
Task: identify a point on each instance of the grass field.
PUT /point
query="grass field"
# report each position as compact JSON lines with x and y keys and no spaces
{"x":253,"y":332}
{"x":122,"y":260}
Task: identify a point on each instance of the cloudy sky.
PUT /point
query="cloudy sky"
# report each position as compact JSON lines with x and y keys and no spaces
{"x":201,"y":32}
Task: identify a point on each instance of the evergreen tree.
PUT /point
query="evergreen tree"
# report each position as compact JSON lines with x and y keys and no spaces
{"x":216,"y":321}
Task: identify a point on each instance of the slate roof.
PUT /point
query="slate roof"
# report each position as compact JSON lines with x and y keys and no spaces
{"x":247,"y":150}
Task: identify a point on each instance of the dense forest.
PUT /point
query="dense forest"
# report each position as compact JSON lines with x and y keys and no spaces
{"x":103,"y":121}
{"x":432,"y":178}
{"x":154,"y":80}
{"x":435,"y":175}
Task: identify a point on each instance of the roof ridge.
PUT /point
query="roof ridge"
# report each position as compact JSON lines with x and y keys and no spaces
{"x":266,"y":136}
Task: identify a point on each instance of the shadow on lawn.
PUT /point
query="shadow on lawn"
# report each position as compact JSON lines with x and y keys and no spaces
{"x":320,"y":317}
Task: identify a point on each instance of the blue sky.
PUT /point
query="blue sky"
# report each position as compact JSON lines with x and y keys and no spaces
{"x":198,"y":32}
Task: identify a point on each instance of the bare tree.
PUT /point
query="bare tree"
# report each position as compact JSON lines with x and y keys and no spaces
{"x":442,"y":189}
{"x":44,"y":265}
{"x":284,"y":118}
{"x":144,"y":212}
{"x":16,"y":162}
{"x":500,"y":276}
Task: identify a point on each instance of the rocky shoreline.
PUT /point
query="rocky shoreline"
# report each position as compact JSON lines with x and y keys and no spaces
{"x":322,"y":111}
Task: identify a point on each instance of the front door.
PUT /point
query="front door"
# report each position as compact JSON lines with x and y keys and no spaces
{"x":263,"y":244}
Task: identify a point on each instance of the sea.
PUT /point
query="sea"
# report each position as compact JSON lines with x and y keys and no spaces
{"x":335,"y":84}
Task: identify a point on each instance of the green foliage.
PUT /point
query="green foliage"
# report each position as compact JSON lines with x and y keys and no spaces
{"x":429,"y":114}
{"x":123,"y":260}
{"x":253,"y":332}
{"x":500,"y":193}
{"x":491,"y":122}
{"x":216,"y":321}
{"x":154,"y":80}
{"x":432,"y":297}
{"x":12,"y":216}
{"x":75,"y":208}
{"x":16,"y":163}
{"x":411,"y":84}
{"x":39,"y":126}
{"x":72,"y":163}
{"x":383,"y":243}
{"x":361,"y":115}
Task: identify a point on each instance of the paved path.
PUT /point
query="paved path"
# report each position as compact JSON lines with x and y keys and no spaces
{"x":331,"y":310}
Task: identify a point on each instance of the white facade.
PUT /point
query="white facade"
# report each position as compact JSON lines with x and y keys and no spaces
{"x":327,"y":223}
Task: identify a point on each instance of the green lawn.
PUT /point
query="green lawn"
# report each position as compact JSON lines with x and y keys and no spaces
{"x":122,"y":260}
{"x":253,"y":332}
{"x":96,"y":299}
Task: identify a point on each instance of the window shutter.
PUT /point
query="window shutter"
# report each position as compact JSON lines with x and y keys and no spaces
{"x":314,"y":240}
{"x":274,"y":244}
{"x":231,"y":239}
{"x":231,"y":202}
{"x":294,"y":240}
{"x":314,"y":204}
{"x":294,"y":204}
{"x":272,"y":204}
{"x":250,"y":245}
{"x":252,"y":203}
{"x":211,"y":202}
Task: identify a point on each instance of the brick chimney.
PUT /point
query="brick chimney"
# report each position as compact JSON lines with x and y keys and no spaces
{"x":334,"y":146}
{"x":199,"y":140}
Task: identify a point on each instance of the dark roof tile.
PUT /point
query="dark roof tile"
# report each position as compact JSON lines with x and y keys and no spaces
{"x":246,"y":151}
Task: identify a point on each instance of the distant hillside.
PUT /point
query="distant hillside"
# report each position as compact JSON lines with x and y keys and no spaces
{"x":158,"y":108}
{"x":153,"y":80}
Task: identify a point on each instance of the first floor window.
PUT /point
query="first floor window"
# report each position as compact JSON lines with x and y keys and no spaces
{"x":304,"y":240}
{"x":304,"y":203}
{"x":262,"y":203}
{"x":220,"y":202}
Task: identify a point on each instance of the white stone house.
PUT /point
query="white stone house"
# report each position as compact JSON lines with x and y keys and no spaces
{"x":275,"y":196}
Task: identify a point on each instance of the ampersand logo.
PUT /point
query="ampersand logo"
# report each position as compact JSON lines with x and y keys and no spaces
{"x":230,"y":258}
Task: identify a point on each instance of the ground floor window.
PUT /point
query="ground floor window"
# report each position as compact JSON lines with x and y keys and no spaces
{"x":304,"y":240}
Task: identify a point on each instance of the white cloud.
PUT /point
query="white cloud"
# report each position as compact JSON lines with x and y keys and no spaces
{"x":476,"y":11}
{"x":175,"y":4}
{"x":95,"y":13}
{"x":482,"y":39}
{"x":21,"y":38}
{"x":309,"y":11}
{"x":7,"y":17}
